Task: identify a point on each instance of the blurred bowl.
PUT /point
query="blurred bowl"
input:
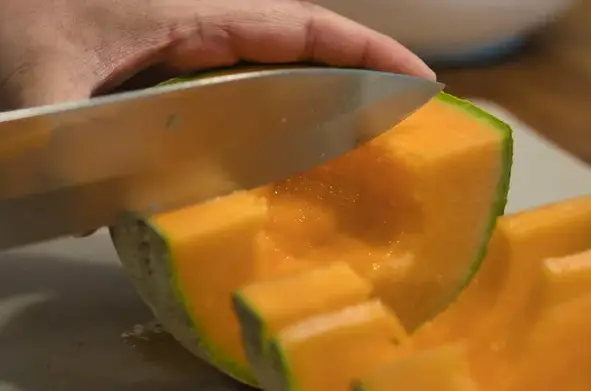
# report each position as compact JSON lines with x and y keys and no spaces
{"x":453,"y":30}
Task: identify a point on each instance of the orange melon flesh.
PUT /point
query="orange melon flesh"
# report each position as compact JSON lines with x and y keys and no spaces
{"x":497,"y":310}
{"x":566,"y":278}
{"x":263,"y":311}
{"x":224,"y":236}
{"x":405,"y":212}
{"x":502,"y":287}
{"x":327,"y":352}
{"x":333,"y":286}
{"x":410,"y":212}
{"x":443,"y":368}
{"x":556,"y":353}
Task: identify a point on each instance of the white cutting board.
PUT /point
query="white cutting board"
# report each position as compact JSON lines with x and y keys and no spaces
{"x":65,"y":304}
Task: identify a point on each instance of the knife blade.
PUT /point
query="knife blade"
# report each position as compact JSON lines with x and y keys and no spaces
{"x":73,"y":167}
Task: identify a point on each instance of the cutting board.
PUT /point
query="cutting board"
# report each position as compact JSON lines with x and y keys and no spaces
{"x":65,"y":306}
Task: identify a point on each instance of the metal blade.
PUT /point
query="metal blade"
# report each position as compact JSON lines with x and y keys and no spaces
{"x":70,"y":168}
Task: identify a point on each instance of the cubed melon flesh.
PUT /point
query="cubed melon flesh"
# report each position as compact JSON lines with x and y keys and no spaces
{"x":444,"y":368}
{"x":565,"y":278}
{"x":502,"y":303}
{"x":262,"y":308}
{"x":329,"y":351}
{"x":503,"y":286}
{"x":410,"y":211}
{"x":556,"y":354}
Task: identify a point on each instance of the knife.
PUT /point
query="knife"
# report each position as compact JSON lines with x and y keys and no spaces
{"x":74,"y":167}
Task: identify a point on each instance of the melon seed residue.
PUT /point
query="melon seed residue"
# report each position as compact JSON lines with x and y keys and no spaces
{"x":142,"y":332}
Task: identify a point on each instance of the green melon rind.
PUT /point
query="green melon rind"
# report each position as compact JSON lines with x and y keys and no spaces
{"x":502,"y":191}
{"x":199,"y":344}
{"x":498,"y":206}
{"x":212,"y":355}
{"x":284,"y":379}
{"x":255,"y":336}
{"x":358,"y":386}
{"x":255,"y":341}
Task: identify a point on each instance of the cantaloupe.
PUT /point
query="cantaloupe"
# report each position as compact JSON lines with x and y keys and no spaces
{"x":410,"y":212}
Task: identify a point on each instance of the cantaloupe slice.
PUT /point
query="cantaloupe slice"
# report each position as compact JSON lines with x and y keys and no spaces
{"x":192,"y":302}
{"x":411,"y":212}
{"x":263,"y":310}
{"x":444,"y":368}
{"x":329,"y":351}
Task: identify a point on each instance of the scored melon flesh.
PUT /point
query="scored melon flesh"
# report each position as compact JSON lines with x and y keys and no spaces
{"x":444,"y":368}
{"x":503,"y":286}
{"x":262,"y":308}
{"x":555,"y":354}
{"x":565,"y":278}
{"x":329,"y":351}
{"x":410,"y":211}
{"x":496,"y":310}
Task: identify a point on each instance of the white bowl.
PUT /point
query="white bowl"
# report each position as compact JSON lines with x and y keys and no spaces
{"x":442,"y":28}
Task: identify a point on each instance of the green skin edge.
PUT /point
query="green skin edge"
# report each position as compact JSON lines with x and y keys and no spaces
{"x":265,"y":354}
{"x":499,"y":204}
{"x":244,"y":374}
{"x":214,"y":356}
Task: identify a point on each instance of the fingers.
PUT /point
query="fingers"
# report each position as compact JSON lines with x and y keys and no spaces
{"x":278,"y":31}
{"x":334,"y":39}
{"x":80,"y":48}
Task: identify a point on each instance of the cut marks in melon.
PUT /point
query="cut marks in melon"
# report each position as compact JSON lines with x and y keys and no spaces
{"x":411,"y":212}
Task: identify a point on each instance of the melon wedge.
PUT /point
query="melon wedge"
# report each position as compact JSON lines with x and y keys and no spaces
{"x":444,"y":368}
{"x":329,"y":351}
{"x":411,"y":212}
{"x":262,"y":310}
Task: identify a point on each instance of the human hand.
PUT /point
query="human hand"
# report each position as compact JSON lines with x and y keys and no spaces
{"x":60,"y":50}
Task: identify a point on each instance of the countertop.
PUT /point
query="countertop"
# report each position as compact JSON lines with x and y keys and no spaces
{"x":547,"y":86}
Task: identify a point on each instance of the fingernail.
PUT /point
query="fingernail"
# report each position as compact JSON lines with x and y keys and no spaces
{"x":425,"y":71}
{"x":430,"y":74}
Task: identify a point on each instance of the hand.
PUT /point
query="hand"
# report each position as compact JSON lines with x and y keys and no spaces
{"x":59,"y":50}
